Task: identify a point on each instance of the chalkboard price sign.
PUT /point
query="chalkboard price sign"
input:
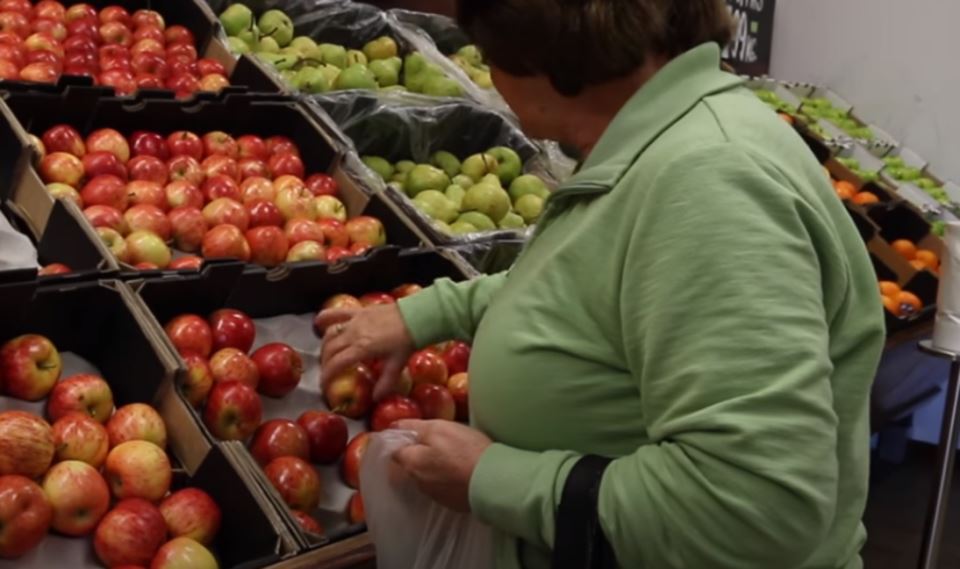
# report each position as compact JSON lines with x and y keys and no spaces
{"x":749,"y":52}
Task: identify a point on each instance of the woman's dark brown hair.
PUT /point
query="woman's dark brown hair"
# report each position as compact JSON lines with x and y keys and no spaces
{"x":586,"y":42}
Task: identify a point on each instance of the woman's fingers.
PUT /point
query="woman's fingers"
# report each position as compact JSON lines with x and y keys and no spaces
{"x":388,"y":380}
{"x":328,"y":318}
{"x":341,"y":362}
{"x":334,"y":341}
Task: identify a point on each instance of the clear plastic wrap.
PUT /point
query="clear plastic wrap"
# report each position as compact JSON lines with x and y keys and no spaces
{"x":16,"y":250}
{"x":409,"y":530}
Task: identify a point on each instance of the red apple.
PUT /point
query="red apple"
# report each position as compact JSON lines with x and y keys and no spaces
{"x":219,"y":164}
{"x":41,"y":56}
{"x":185,"y":168}
{"x":25,"y":516}
{"x":406,"y":290}
{"x":143,"y":192}
{"x":78,"y":437}
{"x":60,"y":167}
{"x":278,"y":438}
{"x":26,"y":444}
{"x":182,"y":52}
{"x":130,"y":534}
{"x":187,"y":263}
{"x":282,"y":164}
{"x":115,"y":14}
{"x":147,"y":81}
{"x":82,"y":393}
{"x":306,"y":251}
{"x":192,"y":513}
{"x":264,"y":214}
{"x":268,"y":245}
{"x":355,"y":511}
{"x":138,"y":469}
{"x":197,"y":381}
{"x":54,"y":269}
{"x":151,"y":64}
{"x":151,"y":33}
{"x":112,"y":53}
{"x":298,"y":230}
{"x":106,"y":190}
{"x":182,"y":193}
{"x":221,"y":186}
{"x":182,"y":553}
{"x":335,"y":232}
{"x":17,"y":55}
{"x":145,"y":143}
{"x":148,"y":18}
{"x":226,"y":211}
{"x":84,"y":27}
{"x":207,"y":66}
{"x":322,"y":185}
{"x":219,"y":142}
{"x":189,"y":228}
{"x":9,"y":38}
{"x":392,"y":409}
{"x":352,"y":457}
{"x":64,"y":138}
{"x":281,"y":145}
{"x":40,"y":73}
{"x":9,"y":71}
{"x":335,"y":253}
{"x":297,"y":482}
{"x":115,"y":242}
{"x":351,"y":393}
{"x":252,"y":168}
{"x":82,"y":45}
{"x":145,"y":217}
{"x":288,"y":182}
{"x":366,"y":230}
{"x":80,"y":11}
{"x":435,"y":402}
{"x":459,"y":387}
{"x":184,"y":143}
{"x":78,"y":495}
{"x":456,"y":356}
{"x":280,"y":368}
{"x":326,"y":434}
{"x":225,"y":241}
{"x":56,"y":30}
{"x":231,"y":364}
{"x":29,"y":367}
{"x":14,"y":23}
{"x":232,"y":329}
{"x":178,"y":34}
{"x":145,"y":246}
{"x":213,"y":83}
{"x":75,"y":61}
{"x":190,"y":333}
{"x":146,"y":266}
{"x":115,"y":33}
{"x":233,"y":410}
{"x":342,"y":301}
{"x":184,"y":67}
{"x":122,"y":81}
{"x":49,"y":9}
{"x":147,"y":45}
{"x":257,"y":188}
{"x":253,"y":147}
{"x":307,"y":523}
{"x":376,"y":298}
{"x":102,"y":163}
{"x":148,"y":169}
{"x":426,"y":366}
{"x":137,"y":422}
{"x":109,"y":140}
{"x":295,"y":203}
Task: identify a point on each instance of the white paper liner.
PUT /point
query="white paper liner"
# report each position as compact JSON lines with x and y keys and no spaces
{"x":946,"y":329}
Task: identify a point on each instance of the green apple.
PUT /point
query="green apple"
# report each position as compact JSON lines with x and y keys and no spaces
{"x":381,"y":48}
{"x":304,"y":44}
{"x":530,"y":207}
{"x":379,"y":165}
{"x":478,"y":220}
{"x":332,"y":54}
{"x":405,"y":166}
{"x":331,"y":72}
{"x":425,"y":177}
{"x":442,"y":87}
{"x":238,"y":46}
{"x":267,"y":45}
{"x":528,"y":184}
{"x":311,"y":80}
{"x":455,"y":194}
{"x":446,"y":162}
{"x":512,"y":221}
{"x":236,"y":19}
{"x":356,"y":77}
{"x":386,"y":75}
{"x":442,"y":208}
{"x":462,"y":228}
{"x":489,"y":199}
{"x":478,"y":166}
{"x":510,"y":164}
{"x":471,"y":54}
{"x":463,"y":181}
{"x":356,"y":57}
{"x":277,"y":25}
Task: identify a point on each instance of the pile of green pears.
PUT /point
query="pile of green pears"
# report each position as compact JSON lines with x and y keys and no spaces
{"x":318,"y":68}
{"x":470,"y":59}
{"x":897,"y":168}
{"x":484,"y":192}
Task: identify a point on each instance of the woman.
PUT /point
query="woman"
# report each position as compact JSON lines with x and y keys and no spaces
{"x":696,"y":305}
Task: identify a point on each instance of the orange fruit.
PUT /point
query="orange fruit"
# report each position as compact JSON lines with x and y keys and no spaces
{"x":865,"y":198}
{"x":928,"y":258}
{"x":891,"y":305}
{"x":786,"y":117}
{"x":918,"y":265}
{"x":905,"y":247}
{"x":845,"y":190}
{"x":909,"y":302}
{"x":889,"y":288}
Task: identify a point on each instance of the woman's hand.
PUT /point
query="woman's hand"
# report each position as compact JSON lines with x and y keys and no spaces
{"x":443,"y":460}
{"x":356,"y":335}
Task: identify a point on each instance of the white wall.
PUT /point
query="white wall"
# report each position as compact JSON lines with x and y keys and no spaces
{"x":897,"y":62}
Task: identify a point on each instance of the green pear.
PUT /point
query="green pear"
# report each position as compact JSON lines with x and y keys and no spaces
{"x":426,"y":207}
{"x":894,"y":162}
{"x":510,"y":164}
{"x":442,"y":227}
{"x":386,"y":75}
{"x":471,"y":54}
{"x":463,"y":181}
{"x":926,"y":184}
{"x":379,"y":165}
{"x":491,"y":179}
{"x":414,"y":63}
{"x":331,"y":72}
{"x":356,"y":57}
{"x":238,"y":46}
{"x":356,"y":77}
{"x":289,"y":76}
{"x":381,"y":48}
{"x":512,"y":221}
{"x":530,"y":207}
{"x":335,"y":55}
{"x":446,"y":162}
{"x":478,"y":220}
{"x":483,"y":79}
{"x":455,"y":194}
{"x":396,"y":63}
{"x":276,"y":24}
{"x":425,"y":177}
{"x":396,"y":186}
{"x":236,"y":19}
{"x":478,"y":166}
{"x":280,"y":61}
{"x":442,"y":208}
{"x":462,"y":228}
{"x":311,"y":80}
{"x":462,"y":63}
{"x":399,"y":178}
{"x":442,"y":87}
{"x":405,"y":166}
{"x":267,"y":45}
{"x":251,"y":37}
{"x":303,"y":43}
{"x":394,"y":89}
{"x":528,"y":184}
{"x":489,"y":199}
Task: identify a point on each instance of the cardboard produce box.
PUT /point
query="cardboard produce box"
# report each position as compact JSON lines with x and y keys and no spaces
{"x":86,"y":110}
{"x":283,"y":310}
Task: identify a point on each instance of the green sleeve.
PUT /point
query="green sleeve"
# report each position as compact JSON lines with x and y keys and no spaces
{"x":449,"y":310}
{"x":724,"y":330}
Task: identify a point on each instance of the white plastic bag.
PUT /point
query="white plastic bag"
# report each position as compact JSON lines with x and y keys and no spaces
{"x":409,"y":530}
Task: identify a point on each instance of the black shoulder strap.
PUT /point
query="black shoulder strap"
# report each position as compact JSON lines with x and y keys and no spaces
{"x":579,"y":542}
